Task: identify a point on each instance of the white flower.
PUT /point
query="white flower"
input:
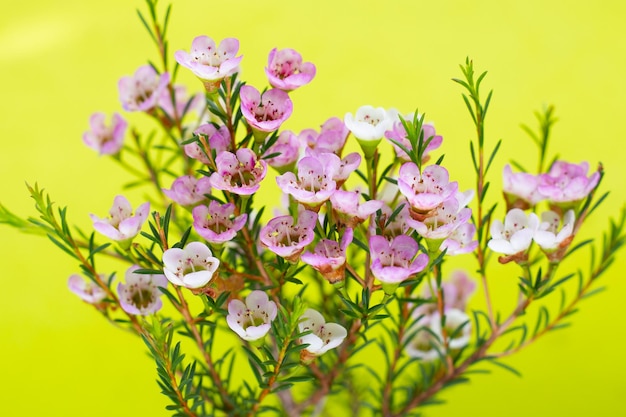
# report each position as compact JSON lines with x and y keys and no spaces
{"x":369,"y":123}
{"x":192,"y":267}
{"x":549,"y":237}
{"x":88,"y":291}
{"x":454,"y":320}
{"x":515,"y":235}
{"x":324,"y":336}
{"x":425,"y":344}
{"x":252,"y":320}
{"x":141,"y":294}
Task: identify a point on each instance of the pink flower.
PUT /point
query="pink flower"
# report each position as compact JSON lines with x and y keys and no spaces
{"x":141,"y":294}
{"x":286,"y":239}
{"x":188,"y":190}
{"x":217,"y":223}
{"x":314,"y":184}
{"x":142,"y":91}
{"x":191,"y":267}
{"x":285,"y":69}
{"x":461,"y":240}
{"x":427,"y":190}
{"x":252,"y":320}
{"x":457,"y":290}
{"x":239,"y":173}
{"x":329,"y":257}
{"x":520,"y":189}
{"x":395,"y":261}
{"x":567,"y":183}
{"x":267,"y":112}
{"x":346,"y":204}
{"x":331,"y":138}
{"x":442,"y":223}
{"x":218,"y":140}
{"x":398,"y":134}
{"x":122,"y":226}
{"x":88,"y":291}
{"x":107,"y":140}
{"x":287,"y":147}
{"x":210,"y":64}
{"x":391,"y":228}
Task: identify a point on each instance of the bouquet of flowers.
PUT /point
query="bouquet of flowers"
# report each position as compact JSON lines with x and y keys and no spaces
{"x":350,"y":263}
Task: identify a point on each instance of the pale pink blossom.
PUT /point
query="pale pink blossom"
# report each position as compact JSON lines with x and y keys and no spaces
{"x":314,"y":184}
{"x":442,"y":222}
{"x":461,"y":240}
{"x":457,"y":290}
{"x":329,"y":257}
{"x":87,"y":290}
{"x":389,"y":227}
{"x":398,"y":134}
{"x":323,"y":337}
{"x":191,"y":267}
{"x":122,"y":225}
{"x":265,"y":113}
{"x":520,"y":189}
{"x":217,"y":223}
{"x":331,"y":138}
{"x":515,"y":235}
{"x":253,"y":319}
{"x":287,"y":146}
{"x":554,"y":231}
{"x":567,"y":183}
{"x":142,"y":91}
{"x":426,"y":190}
{"x":285,"y":69}
{"x":141,"y":294}
{"x":395,"y":261}
{"x":217,"y":139}
{"x":287,"y":239}
{"x":106,"y":139}
{"x":350,"y":211}
{"x":240,"y":173}
{"x":209,"y":63}
{"x":189,"y":190}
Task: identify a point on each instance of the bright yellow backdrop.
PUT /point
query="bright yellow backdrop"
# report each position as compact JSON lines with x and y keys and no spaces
{"x":60,"y":61}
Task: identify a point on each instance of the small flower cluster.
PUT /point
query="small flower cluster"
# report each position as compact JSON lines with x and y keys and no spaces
{"x":352,"y":240}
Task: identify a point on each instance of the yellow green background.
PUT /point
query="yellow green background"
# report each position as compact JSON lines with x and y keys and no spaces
{"x":60,"y":61}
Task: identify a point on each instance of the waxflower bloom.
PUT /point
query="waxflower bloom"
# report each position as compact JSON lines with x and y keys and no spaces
{"x":88,"y":291}
{"x":141,"y":294}
{"x":329,"y":257}
{"x":520,"y":189}
{"x":398,"y":134}
{"x":395,"y":261}
{"x":442,"y":222}
{"x":368,"y":126}
{"x":314,"y":184}
{"x":323,"y":337}
{"x":566,"y":184}
{"x":209,"y":63}
{"x":122,"y":226}
{"x":253,"y":319}
{"x":218,"y":140}
{"x":455,"y":320}
{"x":285,"y":69}
{"x":142,"y":91}
{"x":331,"y":138}
{"x":287,"y":239}
{"x":514,"y":236}
{"x":191,"y":267}
{"x":461,"y":240}
{"x":240,"y":173}
{"x":216,"y":222}
{"x":424,"y":344}
{"x":349,"y":210}
{"x":551,"y":235}
{"x":286,"y":150}
{"x":107,"y":140}
{"x":188,"y":190}
{"x":265,"y":113}
{"x":426,"y":190}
